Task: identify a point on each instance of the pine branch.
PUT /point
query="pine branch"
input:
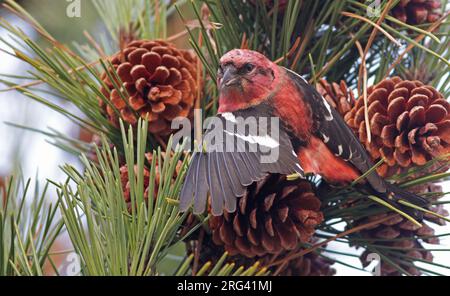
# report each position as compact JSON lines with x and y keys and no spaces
{"x":28,"y":227}
{"x":119,"y":241}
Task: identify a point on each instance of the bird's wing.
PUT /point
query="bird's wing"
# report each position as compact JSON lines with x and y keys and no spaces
{"x":232,"y":157}
{"x":335,"y":133}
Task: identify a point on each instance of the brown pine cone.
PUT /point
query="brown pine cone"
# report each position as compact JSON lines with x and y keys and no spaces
{"x":404,"y":235}
{"x":309,"y":265}
{"x":387,"y":269}
{"x":416,"y":12}
{"x":339,"y":96}
{"x":274,"y":215}
{"x":437,"y":167}
{"x":126,"y":182}
{"x":409,"y":123}
{"x":124,"y":178}
{"x":160,"y":81}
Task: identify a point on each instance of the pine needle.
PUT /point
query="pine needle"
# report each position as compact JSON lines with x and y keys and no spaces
{"x":408,"y":204}
{"x":386,"y":204}
{"x":295,"y":254}
{"x":412,"y":45}
{"x":379,"y":28}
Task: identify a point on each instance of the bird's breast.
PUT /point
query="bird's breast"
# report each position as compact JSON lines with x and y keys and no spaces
{"x":289,"y":105}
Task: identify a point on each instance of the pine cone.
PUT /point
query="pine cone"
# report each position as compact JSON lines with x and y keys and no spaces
{"x":405,"y":235}
{"x":437,"y":167}
{"x":409,"y":123}
{"x":124,"y":178}
{"x":309,"y":265}
{"x":274,"y":215}
{"x":339,"y":96}
{"x":126,"y":182}
{"x":160,"y":81}
{"x":387,"y":269}
{"x":416,"y":12}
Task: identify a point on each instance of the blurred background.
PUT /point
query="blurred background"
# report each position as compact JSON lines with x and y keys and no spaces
{"x":31,"y":152}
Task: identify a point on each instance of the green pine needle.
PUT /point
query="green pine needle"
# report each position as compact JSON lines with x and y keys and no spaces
{"x":408,"y":204}
{"x":386,"y":204}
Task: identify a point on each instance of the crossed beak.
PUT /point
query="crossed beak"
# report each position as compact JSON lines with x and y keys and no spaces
{"x":230,"y":77}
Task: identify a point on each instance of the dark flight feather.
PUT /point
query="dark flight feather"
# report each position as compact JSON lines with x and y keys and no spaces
{"x":201,"y":191}
{"x":226,"y":174}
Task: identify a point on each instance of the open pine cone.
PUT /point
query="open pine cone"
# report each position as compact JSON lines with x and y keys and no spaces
{"x":387,"y":269}
{"x":310,"y":264}
{"x":274,"y":215}
{"x":404,"y":235}
{"x":124,"y":178}
{"x":409,"y":123}
{"x":160,"y":81}
{"x":339,"y":96}
{"x":126,"y":182}
{"x":416,"y":12}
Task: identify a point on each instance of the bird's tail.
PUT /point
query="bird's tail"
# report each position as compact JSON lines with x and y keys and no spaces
{"x":408,"y":204}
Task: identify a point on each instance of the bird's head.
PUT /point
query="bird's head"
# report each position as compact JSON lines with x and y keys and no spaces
{"x":245,"y":78}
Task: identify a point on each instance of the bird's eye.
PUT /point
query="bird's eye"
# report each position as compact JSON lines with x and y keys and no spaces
{"x":220,"y":70}
{"x":248,"y":68}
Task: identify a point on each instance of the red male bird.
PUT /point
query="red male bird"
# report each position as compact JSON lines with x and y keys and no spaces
{"x":312,"y":138}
